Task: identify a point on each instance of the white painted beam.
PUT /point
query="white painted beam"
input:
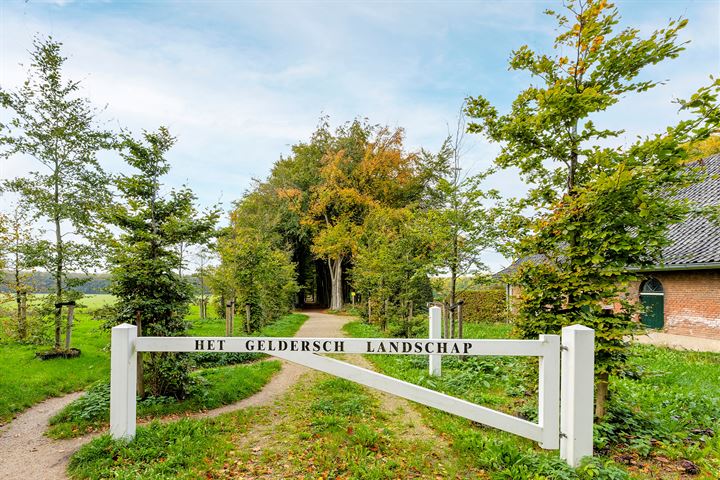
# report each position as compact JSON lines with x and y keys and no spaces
{"x":435,"y":333}
{"x":417,"y":394}
{"x":577,"y":393}
{"x":401,"y":346}
{"x":123,"y":381}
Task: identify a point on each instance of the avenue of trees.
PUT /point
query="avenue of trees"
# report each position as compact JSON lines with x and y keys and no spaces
{"x":363,"y":219}
{"x":352,"y":215}
{"x":125,"y":223}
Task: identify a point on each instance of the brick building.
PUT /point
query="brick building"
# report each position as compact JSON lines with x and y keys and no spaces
{"x":682,"y":294}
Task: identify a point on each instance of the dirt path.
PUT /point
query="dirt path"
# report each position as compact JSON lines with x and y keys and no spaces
{"x":25,"y":453}
{"x":679,"y":342}
{"x":268,"y":437}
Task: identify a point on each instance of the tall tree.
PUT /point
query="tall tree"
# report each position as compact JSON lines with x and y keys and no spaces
{"x":598,"y":209}
{"x":145,"y":258}
{"x":353,"y":180}
{"x":58,"y":129}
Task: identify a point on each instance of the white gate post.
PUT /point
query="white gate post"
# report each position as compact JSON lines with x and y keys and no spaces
{"x":123,"y":380}
{"x":549,"y":392}
{"x":435,"y":329}
{"x":577,"y":393}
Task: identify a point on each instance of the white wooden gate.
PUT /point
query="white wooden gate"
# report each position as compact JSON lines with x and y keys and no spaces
{"x":565,"y":403}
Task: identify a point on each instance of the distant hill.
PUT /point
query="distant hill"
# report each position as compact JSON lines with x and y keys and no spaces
{"x":43,"y":282}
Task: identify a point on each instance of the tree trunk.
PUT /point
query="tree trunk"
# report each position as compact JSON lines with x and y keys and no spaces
{"x":58,"y":280}
{"x":601,"y":395}
{"x":336,"y":300}
{"x":140,"y":372}
{"x":22,"y":316}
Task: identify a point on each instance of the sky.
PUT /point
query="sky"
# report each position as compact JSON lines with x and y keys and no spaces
{"x":239,"y":82}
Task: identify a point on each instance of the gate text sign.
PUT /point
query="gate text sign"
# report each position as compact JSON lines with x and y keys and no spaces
{"x":272,"y":345}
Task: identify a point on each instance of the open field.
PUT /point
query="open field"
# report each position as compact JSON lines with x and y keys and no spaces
{"x":26,"y":380}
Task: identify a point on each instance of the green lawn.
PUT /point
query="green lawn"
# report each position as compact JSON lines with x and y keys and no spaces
{"x":26,"y":380}
{"x":215,"y":387}
{"x":225,"y":384}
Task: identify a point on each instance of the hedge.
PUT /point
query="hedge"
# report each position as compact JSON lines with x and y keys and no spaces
{"x":487,"y":305}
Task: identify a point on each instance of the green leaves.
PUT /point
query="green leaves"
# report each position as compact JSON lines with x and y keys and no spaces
{"x":593,"y":211}
{"x":144,"y":259}
{"x":58,"y":129}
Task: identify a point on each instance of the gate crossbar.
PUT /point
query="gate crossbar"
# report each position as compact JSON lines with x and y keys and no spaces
{"x":271,"y":345}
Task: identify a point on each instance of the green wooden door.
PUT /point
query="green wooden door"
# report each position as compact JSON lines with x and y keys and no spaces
{"x":654,"y":305}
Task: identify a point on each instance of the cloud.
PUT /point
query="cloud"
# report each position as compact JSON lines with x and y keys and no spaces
{"x":238,"y":83}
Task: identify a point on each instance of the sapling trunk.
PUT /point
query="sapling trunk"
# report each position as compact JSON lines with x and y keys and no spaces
{"x":140,"y":371}
{"x":601,"y":395}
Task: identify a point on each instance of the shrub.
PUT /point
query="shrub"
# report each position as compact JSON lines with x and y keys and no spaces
{"x":487,"y":305}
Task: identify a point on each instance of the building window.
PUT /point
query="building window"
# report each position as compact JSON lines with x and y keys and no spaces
{"x":652,"y":298}
{"x":652,"y":285}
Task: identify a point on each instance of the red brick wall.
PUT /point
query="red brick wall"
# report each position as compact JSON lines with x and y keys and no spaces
{"x":692,"y":302}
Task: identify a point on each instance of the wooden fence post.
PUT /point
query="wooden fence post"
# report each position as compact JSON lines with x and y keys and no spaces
{"x":68,"y":329}
{"x":140,"y":371}
{"x":446,"y":320}
{"x":460,"y":318}
{"x":228,"y":320}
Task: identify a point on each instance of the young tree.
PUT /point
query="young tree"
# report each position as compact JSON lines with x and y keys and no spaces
{"x":19,"y":249}
{"x":598,"y":209}
{"x":393,"y":261}
{"x":461,"y":219}
{"x":145,"y":260}
{"x":57,"y":128}
{"x":254,"y":272}
{"x":203,"y":258}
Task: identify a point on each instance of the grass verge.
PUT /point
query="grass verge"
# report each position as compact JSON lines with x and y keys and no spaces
{"x":215,"y":387}
{"x":662,"y":421}
{"x":324,"y":428}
